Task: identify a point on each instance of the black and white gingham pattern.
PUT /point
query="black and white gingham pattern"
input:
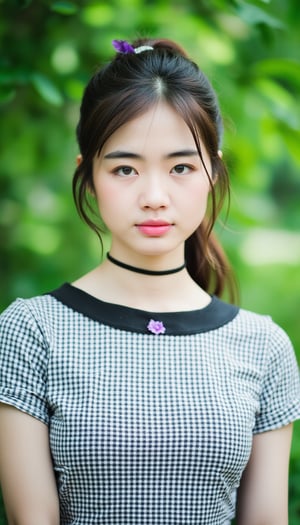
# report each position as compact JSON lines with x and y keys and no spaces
{"x":146,"y":429}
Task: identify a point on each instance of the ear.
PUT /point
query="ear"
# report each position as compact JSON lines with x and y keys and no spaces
{"x":215,"y":177}
{"x":89,"y":188}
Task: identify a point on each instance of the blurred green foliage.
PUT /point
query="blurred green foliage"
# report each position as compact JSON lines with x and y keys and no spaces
{"x":250,"y":51}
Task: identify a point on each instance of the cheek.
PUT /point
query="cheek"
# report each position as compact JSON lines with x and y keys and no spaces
{"x":113,"y":204}
{"x":107,"y":196}
{"x":198,"y":194}
{"x":196,"y":204}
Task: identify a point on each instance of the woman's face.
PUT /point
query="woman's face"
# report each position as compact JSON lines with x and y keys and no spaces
{"x":151,"y":186}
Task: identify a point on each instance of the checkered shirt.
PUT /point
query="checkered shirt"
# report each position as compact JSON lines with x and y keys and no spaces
{"x":146,"y":428}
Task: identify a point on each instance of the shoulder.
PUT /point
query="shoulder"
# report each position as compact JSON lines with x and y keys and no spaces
{"x":33,"y":307}
{"x":257,"y":337}
{"x":254,"y":324}
{"x":33,"y":316}
{"x":263,"y":326}
{"x":263,"y":339}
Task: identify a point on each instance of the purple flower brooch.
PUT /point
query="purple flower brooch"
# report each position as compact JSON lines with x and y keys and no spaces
{"x":156,"y":327}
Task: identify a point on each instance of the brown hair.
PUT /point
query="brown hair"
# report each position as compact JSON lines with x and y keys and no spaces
{"x":127,"y":87}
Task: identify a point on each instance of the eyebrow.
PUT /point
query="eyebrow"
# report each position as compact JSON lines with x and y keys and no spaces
{"x":118,"y":154}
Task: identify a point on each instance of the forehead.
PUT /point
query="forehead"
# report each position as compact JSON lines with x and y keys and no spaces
{"x":160,"y":128}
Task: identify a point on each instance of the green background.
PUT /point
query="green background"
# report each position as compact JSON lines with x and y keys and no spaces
{"x":249,"y":50}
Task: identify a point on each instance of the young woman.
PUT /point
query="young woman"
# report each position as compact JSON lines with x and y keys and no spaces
{"x":135,"y":395}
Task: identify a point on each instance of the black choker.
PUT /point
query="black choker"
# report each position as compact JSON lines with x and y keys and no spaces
{"x":141,"y":270}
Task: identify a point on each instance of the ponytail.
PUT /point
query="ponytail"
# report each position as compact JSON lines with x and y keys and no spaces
{"x":208,"y":264}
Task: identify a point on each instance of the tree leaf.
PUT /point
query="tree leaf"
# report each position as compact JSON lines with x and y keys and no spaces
{"x":6,"y":94}
{"x":64,"y":8}
{"x":253,"y":15}
{"x":46,"y":89}
{"x":98,"y":15}
{"x":21,"y":3}
{"x":284,"y":68}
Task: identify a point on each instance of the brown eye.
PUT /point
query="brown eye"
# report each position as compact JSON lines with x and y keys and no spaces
{"x":181,"y":169}
{"x":125,"y":171}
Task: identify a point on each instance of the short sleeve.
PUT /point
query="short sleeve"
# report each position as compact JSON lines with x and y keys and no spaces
{"x":23,"y":361}
{"x":280,"y":393}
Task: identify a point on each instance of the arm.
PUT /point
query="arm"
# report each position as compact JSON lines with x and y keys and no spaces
{"x":263,"y":493}
{"x":26,"y":471}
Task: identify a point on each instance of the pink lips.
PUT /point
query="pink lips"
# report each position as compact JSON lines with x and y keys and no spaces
{"x":154,"y":228}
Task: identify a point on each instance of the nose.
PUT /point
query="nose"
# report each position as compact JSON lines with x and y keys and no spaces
{"x":154,"y":192}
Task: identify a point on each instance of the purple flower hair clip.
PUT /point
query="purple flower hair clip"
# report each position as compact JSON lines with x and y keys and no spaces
{"x":121,"y":46}
{"x":156,"y":327}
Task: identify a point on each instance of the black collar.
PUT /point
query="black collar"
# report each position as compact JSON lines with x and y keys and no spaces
{"x":216,"y":314}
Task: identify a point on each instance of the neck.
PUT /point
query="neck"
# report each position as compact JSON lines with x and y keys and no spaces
{"x":143,"y":271}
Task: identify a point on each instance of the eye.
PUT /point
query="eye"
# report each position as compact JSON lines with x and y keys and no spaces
{"x":124,"y":171}
{"x":181,"y":169}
